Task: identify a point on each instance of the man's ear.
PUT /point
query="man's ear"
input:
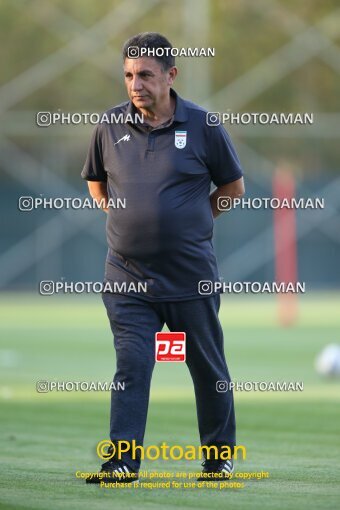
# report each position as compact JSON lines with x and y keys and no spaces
{"x":172,"y":73}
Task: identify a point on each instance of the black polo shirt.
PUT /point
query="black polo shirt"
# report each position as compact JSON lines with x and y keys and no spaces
{"x":163,"y":238}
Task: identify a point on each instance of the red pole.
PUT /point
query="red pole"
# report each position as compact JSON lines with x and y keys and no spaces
{"x":285,"y":245}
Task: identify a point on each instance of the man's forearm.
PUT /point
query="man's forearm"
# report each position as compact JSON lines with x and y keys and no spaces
{"x":98,"y":191}
{"x":231,"y":191}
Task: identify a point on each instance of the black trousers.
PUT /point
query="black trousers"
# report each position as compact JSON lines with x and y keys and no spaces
{"x":134,"y":323}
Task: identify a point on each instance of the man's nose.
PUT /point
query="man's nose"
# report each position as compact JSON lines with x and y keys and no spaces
{"x":136,"y":84}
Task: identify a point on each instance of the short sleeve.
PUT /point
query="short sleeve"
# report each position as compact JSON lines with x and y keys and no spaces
{"x":94,"y":167}
{"x":223,"y":162}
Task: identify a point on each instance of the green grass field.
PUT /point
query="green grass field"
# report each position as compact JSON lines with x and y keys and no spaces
{"x":46,"y":438}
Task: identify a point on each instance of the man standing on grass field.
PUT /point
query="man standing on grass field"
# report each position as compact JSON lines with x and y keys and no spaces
{"x":163,"y":167}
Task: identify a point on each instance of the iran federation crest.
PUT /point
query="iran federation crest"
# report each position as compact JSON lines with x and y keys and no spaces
{"x":180,"y":139}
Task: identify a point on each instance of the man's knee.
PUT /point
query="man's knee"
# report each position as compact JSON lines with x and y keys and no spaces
{"x":134,"y":365}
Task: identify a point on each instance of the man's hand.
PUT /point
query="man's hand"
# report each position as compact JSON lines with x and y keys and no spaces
{"x":232,"y":190}
{"x":98,"y":191}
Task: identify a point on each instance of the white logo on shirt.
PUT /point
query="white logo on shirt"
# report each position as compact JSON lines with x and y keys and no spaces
{"x":180,"y":139}
{"x":126,"y":138}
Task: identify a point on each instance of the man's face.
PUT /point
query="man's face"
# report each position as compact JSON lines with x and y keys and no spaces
{"x":146,"y":82}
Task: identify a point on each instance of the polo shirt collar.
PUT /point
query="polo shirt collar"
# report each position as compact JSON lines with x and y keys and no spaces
{"x":180,"y":114}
